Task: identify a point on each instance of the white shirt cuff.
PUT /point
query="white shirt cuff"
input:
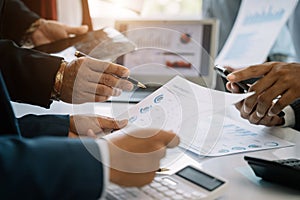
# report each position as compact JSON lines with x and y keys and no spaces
{"x":104,"y":152}
{"x":289,"y":117}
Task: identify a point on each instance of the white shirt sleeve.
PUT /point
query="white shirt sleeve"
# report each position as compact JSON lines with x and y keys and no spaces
{"x":289,"y":117}
{"x":104,"y":152}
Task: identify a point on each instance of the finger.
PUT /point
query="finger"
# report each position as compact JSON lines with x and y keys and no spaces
{"x":253,"y":71}
{"x":107,"y":67}
{"x":169,"y":139}
{"x":264,"y":102}
{"x":285,"y":99}
{"x":239,"y":105}
{"x":77,"y":30}
{"x":112,"y":81}
{"x":254,"y":119}
{"x":110,"y":123}
{"x":264,"y":83}
{"x":235,"y":88}
{"x":101,"y":90}
{"x":101,"y":98}
{"x":90,"y":133}
{"x":271,"y":121}
{"x":250,"y":103}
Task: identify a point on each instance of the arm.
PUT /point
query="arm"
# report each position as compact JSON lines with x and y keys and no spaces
{"x":29,"y":75}
{"x":50,"y":168}
{"x":16,"y":18}
{"x":44,"y":125}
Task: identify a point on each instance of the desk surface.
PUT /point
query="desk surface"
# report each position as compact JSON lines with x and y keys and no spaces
{"x":243,"y":184}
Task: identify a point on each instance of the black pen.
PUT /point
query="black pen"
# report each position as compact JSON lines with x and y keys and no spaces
{"x":79,"y":54}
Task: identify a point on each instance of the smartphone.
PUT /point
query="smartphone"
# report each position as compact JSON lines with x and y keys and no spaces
{"x":243,"y":85}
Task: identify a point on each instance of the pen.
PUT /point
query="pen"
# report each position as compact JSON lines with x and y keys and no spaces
{"x":79,"y":54}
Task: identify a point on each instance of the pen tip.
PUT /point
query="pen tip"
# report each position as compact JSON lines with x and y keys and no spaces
{"x":141,"y":85}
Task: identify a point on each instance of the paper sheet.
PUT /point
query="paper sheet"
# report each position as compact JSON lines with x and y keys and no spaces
{"x":185,"y":108}
{"x":256,"y":27}
{"x":239,"y":137}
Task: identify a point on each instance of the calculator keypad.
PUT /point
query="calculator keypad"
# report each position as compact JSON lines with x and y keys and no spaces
{"x":157,"y":190}
{"x":295,"y":163}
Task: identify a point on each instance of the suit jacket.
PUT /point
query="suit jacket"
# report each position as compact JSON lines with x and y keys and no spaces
{"x":296,"y":107}
{"x":16,"y":18}
{"x":26,"y":72}
{"x":45,"y":167}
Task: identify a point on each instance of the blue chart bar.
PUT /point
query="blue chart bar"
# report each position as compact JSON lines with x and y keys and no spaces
{"x":265,"y":16}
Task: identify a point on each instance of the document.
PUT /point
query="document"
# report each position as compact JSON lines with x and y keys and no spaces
{"x":198,"y":115}
{"x":183,"y":107}
{"x":255,"y":30}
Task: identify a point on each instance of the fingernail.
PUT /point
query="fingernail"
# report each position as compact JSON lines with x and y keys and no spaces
{"x":270,"y":113}
{"x":117,"y":92}
{"x":129,"y":86}
{"x":259,"y":115}
{"x":231,"y":77}
{"x":247,"y":110}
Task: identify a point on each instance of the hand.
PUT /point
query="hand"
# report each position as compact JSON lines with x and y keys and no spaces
{"x":50,"y":31}
{"x":252,"y":116}
{"x":87,"y":80}
{"x":93,"y":126}
{"x":134,"y":157}
{"x":277,"y":79}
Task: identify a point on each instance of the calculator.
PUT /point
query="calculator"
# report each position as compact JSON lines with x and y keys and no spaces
{"x":285,"y":171}
{"x":188,"y":183}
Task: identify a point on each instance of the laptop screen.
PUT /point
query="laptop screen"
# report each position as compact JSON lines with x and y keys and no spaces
{"x":166,"y":48}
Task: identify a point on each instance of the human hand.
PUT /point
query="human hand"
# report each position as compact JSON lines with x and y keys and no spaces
{"x":277,"y":79}
{"x":50,"y":31}
{"x":93,"y":126}
{"x":252,"y":116}
{"x":135,"y":156}
{"x":87,"y":80}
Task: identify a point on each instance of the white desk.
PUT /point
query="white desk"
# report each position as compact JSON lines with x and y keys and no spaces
{"x":242,"y":182}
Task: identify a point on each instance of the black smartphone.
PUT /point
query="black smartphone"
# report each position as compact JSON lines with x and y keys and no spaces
{"x":243,"y":85}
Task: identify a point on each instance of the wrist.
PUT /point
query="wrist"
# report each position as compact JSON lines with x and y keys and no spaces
{"x":56,"y":91}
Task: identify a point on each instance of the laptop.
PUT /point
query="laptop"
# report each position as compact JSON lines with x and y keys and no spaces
{"x":166,"y":48}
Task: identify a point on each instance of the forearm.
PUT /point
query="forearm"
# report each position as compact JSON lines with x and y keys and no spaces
{"x":16,"y":18}
{"x":29,"y":75}
{"x":55,"y":167}
{"x":44,"y":125}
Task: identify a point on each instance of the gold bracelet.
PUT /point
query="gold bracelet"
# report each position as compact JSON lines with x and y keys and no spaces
{"x":58,"y":81}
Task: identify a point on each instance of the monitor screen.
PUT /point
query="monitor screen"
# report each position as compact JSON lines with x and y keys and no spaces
{"x":166,"y":48}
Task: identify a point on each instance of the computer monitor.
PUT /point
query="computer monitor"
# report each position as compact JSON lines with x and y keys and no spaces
{"x":170,"y":47}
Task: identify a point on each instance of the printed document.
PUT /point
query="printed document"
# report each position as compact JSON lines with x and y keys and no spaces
{"x":197,"y":115}
{"x":256,"y":28}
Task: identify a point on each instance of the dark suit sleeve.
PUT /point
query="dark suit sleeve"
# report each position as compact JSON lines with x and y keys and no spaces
{"x":29,"y":75}
{"x":16,"y":18}
{"x":44,"y":125}
{"x":296,"y":108}
{"x":50,"y":168}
